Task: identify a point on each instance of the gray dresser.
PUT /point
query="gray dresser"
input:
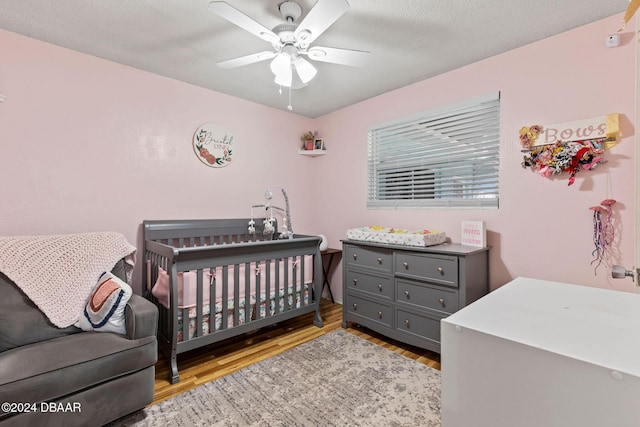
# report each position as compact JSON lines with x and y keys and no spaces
{"x":403,"y":292}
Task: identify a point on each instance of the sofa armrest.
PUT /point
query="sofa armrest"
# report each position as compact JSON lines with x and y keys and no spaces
{"x":141,"y":318}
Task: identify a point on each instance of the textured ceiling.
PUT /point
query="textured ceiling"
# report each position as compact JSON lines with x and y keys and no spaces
{"x":409,"y":40}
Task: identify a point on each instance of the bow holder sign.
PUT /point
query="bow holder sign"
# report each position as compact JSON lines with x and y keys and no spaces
{"x":568,"y":147}
{"x":213,"y":145}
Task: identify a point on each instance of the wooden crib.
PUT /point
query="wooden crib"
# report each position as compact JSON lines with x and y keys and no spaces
{"x":212,"y":280}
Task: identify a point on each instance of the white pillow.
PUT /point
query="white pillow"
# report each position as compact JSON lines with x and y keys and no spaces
{"x":105,"y":308}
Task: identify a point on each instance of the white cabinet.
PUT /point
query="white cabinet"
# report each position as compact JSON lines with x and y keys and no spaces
{"x":537,"y":353}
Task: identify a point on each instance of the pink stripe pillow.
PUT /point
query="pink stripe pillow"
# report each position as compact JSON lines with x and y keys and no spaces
{"x":105,"y":308}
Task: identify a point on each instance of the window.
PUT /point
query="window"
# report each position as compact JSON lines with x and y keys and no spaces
{"x":443,"y":158}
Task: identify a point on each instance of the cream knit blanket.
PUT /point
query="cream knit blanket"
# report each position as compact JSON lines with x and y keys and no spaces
{"x":58,"y":272}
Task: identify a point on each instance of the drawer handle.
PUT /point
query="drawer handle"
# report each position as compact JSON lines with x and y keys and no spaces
{"x":379,"y":315}
{"x":405,"y":265}
{"x":440,"y":270}
{"x":406,"y":294}
{"x":406,"y":323}
{"x":380,"y":287}
{"x":355,"y":282}
{"x":379,"y":260}
{"x":355,"y":257}
{"x":355,"y":307}
{"x":441,"y":301}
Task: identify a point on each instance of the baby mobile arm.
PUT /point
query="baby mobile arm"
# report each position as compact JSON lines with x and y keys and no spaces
{"x":269,"y":219}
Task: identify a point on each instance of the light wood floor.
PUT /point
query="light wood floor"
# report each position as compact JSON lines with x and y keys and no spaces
{"x":209,"y":363}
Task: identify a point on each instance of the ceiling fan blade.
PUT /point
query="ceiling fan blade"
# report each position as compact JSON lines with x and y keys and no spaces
{"x":233,"y":15}
{"x":319,"y":18}
{"x":354,"y":58}
{"x":246,"y":60}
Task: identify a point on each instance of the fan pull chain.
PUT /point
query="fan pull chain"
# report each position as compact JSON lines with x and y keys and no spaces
{"x":290,"y":107}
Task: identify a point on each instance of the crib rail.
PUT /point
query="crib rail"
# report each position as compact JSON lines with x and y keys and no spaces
{"x":242,"y":283}
{"x":198,"y":232}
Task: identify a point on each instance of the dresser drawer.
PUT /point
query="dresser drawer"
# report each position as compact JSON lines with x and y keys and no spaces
{"x":420,"y":326}
{"x":440,"y":269}
{"x":375,"y":284}
{"x":370,"y":258}
{"x":439,"y":298}
{"x":375,"y":311}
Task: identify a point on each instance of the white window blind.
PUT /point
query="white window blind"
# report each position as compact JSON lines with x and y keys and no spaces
{"x":443,"y":158}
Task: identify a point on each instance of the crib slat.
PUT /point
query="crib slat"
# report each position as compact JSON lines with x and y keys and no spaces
{"x":225,"y":296}
{"x":185,"y":324}
{"x":236,"y":294}
{"x":276,"y":286}
{"x":199,"y":304}
{"x":247,"y":291}
{"x":267,"y":288}
{"x":212,"y":301}
{"x":301,"y":264}
{"x":286,"y":284}
{"x":294,"y":280}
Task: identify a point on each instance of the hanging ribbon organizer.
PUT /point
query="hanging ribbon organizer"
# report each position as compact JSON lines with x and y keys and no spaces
{"x":568,"y":147}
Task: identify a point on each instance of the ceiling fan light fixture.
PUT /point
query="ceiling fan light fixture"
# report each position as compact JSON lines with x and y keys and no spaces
{"x":284,"y":79}
{"x":305,"y":70}
{"x":281,"y":63}
{"x":281,"y":67}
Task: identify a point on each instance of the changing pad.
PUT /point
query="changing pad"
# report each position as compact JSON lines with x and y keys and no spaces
{"x":397,"y":236}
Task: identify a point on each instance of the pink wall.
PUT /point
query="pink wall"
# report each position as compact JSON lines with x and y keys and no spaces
{"x":87,"y":144}
{"x":543,"y":228}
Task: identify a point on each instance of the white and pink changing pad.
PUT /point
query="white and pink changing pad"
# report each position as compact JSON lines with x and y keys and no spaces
{"x":397,"y":236}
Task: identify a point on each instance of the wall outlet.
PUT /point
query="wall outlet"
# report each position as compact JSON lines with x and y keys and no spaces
{"x":612,"y":40}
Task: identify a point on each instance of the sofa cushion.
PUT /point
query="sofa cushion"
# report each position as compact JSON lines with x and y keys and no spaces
{"x":21,"y":322}
{"x":49,"y":370}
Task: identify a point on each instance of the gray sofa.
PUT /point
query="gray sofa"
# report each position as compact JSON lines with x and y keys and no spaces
{"x":67,"y":377}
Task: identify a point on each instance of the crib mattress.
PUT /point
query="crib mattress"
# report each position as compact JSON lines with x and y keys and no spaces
{"x":397,"y":236}
{"x":260,"y":312}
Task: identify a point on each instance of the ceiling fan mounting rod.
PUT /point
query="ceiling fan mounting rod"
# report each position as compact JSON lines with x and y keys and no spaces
{"x":290,"y":11}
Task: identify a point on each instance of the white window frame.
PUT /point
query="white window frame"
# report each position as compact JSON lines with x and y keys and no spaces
{"x":447,"y":157}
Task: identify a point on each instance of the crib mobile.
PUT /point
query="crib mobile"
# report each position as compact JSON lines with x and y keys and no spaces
{"x":269,"y":220}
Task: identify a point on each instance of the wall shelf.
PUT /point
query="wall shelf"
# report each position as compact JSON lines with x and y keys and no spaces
{"x":312,"y":153}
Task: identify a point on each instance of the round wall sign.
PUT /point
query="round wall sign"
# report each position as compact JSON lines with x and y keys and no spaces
{"x":213,"y":145}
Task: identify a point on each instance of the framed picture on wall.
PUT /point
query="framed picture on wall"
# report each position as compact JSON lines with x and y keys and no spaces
{"x":318,"y":144}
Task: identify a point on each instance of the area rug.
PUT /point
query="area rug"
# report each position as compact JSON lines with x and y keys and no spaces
{"x":337,"y":379}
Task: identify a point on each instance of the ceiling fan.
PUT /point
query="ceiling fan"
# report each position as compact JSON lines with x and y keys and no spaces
{"x":291,"y":41}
